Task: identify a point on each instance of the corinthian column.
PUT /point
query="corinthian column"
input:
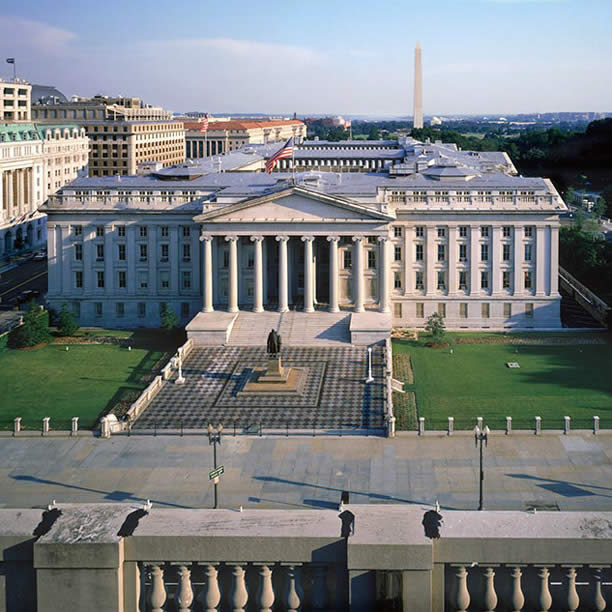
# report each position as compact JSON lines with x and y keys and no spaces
{"x":283,"y":276}
{"x":258,"y":295}
{"x":358,"y":274}
{"x":232,"y":304}
{"x":383,"y":274}
{"x":207,"y":277}
{"x":333,"y":273}
{"x":308,"y":274}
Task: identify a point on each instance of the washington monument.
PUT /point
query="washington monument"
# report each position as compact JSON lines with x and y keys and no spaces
{"x":417,"y":121}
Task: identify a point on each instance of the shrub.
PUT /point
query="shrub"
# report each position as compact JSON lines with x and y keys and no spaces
{"x":66,"y":323}
{"x":435,"y":326}
{"x":35,"y":328}
{"x":168,"y":319}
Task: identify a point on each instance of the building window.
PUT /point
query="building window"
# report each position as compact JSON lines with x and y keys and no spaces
{"x":442,"y":309}
{"x":463,"y":231}
{"x":142,"y":230}
{"x":419,"y":231}
{"x":164,"y":231}
{"x":119,"y":309}
{"x":164,"y":279}
{"x":187,"y":252}
{"x":420,"y":310}
{"x":507,"y":231}
{"x":162,"y":307}
{"x":348,"y":259}
{"x":77,"y":230}
{"x":186,"y":231}
{"x":506,"y":252}
{"x":484,"y":231}
{"x":186,"y":279}
{"x":371,"y":260}
{"x":397,"y":253}
{"x":142,"y":310}
{"x":419,"y":252}
{"x":441,"y":252}
{"x":100,"y":280}
{"x":143,"y":280}
{"x":76,"y":309}
{"x":226,"y":259}
{"x":484,"y":279}
{"x":98,"y":309}
{"x":527,"y":252}
{"x":397,"y":280}
{"x":529,"y":231}
{"x":484,"y":252}
{"x":371,"y":239}
{"x":529,"y":311}
{"x":78,"y":279}
{"x":441,"y":280}
{"x":485,"y":311}
{"x":463,"y":310}
{"x":184,"y":309}
{"x":397,"y":231}
{"x":462,"y":252}
{"x":506,"y":279}
{"x":121,"y":231}
{"x":121,"y":252}
{"x":507,"y":310}
{"x":78,"y":252}
{"x":122,"y":279}
{"x":419,"y":280}
{"x":528,"y":280}
{"x":462,"y":280}
{"x":99,"y":230}
{"x":397,"y":310}
{"x":99,"y":252}
{"x":441,"y":232}
{"x":164,"y":247}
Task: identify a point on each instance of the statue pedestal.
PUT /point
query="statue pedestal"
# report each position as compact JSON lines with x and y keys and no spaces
{"x":275,"y":380}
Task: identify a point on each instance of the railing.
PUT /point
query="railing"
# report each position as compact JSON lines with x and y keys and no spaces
{"x":357,"y":557}
{"x":593,"y":304}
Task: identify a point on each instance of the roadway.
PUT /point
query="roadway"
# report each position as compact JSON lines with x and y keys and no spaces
{"x":29,"y":275}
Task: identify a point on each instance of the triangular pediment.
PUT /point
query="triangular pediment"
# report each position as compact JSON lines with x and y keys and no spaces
{"x":295,"y":204}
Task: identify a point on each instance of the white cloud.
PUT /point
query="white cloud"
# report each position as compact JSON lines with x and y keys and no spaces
{"x":19,"y":34}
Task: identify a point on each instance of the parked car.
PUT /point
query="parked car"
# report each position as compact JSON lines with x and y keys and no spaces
{"x":39,"y":256}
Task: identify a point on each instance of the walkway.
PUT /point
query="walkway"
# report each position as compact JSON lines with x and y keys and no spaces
{"x":571,"y":472}
{"x":296,"y":328}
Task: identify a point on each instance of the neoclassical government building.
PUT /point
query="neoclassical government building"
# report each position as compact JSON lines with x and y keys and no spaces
{"x":403,"y":227}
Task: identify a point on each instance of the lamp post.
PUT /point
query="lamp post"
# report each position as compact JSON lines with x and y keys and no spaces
{"x":214,"y":438}
{"x":481,"y":435}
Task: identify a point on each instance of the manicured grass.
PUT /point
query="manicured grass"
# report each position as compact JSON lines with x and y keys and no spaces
{"x":553,"y":381}
{"x":83,"y":381}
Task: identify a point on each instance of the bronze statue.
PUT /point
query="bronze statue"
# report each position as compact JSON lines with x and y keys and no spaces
{"x":274,"y":343}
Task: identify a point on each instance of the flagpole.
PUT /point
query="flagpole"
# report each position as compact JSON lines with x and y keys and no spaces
{"x":293,"y":161}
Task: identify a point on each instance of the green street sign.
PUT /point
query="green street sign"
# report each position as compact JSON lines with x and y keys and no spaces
{"x":216,"y":472}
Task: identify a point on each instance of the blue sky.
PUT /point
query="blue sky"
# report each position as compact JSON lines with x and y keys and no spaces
{"x":479,"y":56}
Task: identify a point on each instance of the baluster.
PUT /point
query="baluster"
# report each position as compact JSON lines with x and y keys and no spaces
{"x":141,"y":588}
{"x":210,"y":597}
{"x":573,"y":601}
{"x":184,"y":592}
{"x":319,"y":588}
{"x":544,"y":599}
{"x":157,"y":596}
{"x":599,"y":603}
{"x":517,"y":600}
{"x":462,"y":595}
{"x":239,"y":595}
{"x":265,"y":592}
{"x":490,"y":597}
{"x":295,"y":595}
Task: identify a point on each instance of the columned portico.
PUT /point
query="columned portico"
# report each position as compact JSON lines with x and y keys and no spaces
{"x":308,"y":274}
{"x":385,"y":264}
{"x":232,"y":304}
{"x":258,"y":265}
{"x":283,"y":274}
{"x":358,"y":301}
{"x":333,"y":273}
{"x":207,"y":280}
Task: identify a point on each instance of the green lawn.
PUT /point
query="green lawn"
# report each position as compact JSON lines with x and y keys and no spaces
{"x":85,"y":381}
{"x":553,"y":381}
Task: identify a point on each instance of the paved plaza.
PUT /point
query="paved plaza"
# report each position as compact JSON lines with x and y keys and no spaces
{"x":335,"y":394}
{"x":552,"y":471}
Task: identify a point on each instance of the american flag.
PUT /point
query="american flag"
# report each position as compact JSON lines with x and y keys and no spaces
{"x":204,"y":124}
{"x":285,"y":151}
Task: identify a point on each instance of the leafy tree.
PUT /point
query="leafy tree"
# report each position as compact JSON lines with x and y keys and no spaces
{"x":35,"y":328}
{"x":66,"y":323}
{"x":435,"y":326}
{"x":373,"y":133}
{"x":570,"y":195}
{"x":607,"y":197}
{"x":168,"y":319}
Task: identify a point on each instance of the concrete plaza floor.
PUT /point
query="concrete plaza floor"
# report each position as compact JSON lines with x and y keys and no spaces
{"x":571,"y":472}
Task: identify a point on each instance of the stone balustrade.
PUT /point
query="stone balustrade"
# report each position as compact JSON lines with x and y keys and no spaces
{"x":364,"y":558}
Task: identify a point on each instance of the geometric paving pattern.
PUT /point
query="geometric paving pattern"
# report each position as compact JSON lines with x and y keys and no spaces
{"x":335,"y":395}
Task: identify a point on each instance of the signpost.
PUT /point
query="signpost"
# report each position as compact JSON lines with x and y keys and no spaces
{"x":214,"y":474}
